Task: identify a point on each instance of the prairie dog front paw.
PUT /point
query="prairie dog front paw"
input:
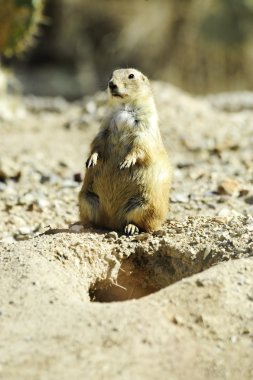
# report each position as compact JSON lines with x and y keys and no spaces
{"x":128,"y":162}
{"x":131,"y":229}
{"x":92,"y":160}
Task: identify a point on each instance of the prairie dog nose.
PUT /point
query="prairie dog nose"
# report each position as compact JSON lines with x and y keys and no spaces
{"x":112,"y":85}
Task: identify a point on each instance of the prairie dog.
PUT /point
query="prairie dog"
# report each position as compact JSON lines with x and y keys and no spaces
{"x":128,"y":176}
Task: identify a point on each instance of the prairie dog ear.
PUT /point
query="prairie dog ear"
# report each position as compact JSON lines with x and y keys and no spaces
{"x":145,"y":79}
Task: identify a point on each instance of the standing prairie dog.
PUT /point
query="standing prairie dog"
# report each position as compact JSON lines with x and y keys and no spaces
{"x":128,"y":176}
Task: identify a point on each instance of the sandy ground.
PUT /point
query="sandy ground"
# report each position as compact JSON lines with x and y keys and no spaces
{"x":59,"y":318}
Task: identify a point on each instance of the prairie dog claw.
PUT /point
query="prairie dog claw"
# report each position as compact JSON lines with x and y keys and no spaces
{"x":92,"y":160}
{"x":127,"y":163}
{"x":131,"y":229}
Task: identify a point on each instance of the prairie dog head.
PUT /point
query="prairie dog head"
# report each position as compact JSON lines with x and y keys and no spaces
{"x":126,"y":85}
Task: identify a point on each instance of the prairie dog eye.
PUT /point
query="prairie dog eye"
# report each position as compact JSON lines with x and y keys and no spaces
{"x":131,"y":76}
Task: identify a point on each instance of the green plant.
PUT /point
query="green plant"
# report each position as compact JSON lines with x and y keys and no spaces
{"x":19,"y":20}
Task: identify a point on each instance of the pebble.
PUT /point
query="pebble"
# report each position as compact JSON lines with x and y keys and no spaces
{"x":250,"y":294}
{"x":68,"y":183}
{"x":229,"y":187}
{"x":20,"y":237}
{"x":45,"y":178}
{"x":220,"y":219}
{"x":8,"y":240}
{"x":42,"y":203}
{"x":142,"y":237}
{"x":90,"y":107}
{"x":76,"y":228}
{"x":200,"y":283}
{"x":234,"y":339}
{"x":224,"y":212}
{"x":25,"y":230}
{"x":18,"y":221}
{"x":3,"y":186}
{"x":111,"y":235}
{"x":26,"y":199}
{"x":9,"y":169}
{"x":77,"y":177}
{"x":250,"y":227}
{"x":178,"y":320}
{"x":224,"y":236}
{"x":159,"y":233}
{"x":249,"y":200}
{"x":179,"y":198}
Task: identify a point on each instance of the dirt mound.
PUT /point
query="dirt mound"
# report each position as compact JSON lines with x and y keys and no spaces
{"x":57,"y":286}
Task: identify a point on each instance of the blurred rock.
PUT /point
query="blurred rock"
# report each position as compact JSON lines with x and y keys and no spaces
{"x":229,"y":187}
{"x":9,"y":169}
{"x":179,"y":198}
{"x":78,"y":177}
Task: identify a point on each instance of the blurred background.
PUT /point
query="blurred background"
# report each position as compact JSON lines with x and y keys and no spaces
{"x":199,"y":46}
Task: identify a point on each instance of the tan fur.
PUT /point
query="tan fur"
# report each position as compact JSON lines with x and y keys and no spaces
{"x":127,"y":182}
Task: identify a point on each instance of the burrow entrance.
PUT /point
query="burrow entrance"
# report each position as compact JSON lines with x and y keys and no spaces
{"x":140,"y":275}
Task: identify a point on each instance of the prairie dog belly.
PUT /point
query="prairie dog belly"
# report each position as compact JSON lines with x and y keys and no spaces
{"x":137,"y":181}
{"x":126,"y":183}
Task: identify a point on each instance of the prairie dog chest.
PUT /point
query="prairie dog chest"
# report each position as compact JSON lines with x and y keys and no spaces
{"x":124,"y":120}
{"x":123,"y":127}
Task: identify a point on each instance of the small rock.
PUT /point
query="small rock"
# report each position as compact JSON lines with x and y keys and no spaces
{"x":250,"y":227}
{"x":234,"y":339}
{"x":209,"y":194}
{"x":62,"y":164}
{"x":224,"y":212}
{"x":229,"y":187}
{"x":68,"y":183}
{"x":18,"y":221}
{"x":26,"y":199}
{"x":90,"y":107}
{"x":45,"y":178}
{"x":20,"y":237}
{"x":243,"y":192}
{"x":197,"y":174}
{"x":77,"y":177}
{"x":220,"y":220}
{"x":224,"y":236}
{"x":207,"y":252}
{"x":200,"y":283}
{"x":24,"y":230}
{"x":250,"y":294}
{"x":178,"y":320}
{"x":9,"y":169}
{"x":8,"y":240}
{"x":76,"y":228}
{"x":249,"y":200}
{"x":141,"y":237}
{"x":227,"y":213}
{"x":193,"y":144}
{"x":159,"y":233}
{"x":42,"y":203}
{"x":2,"y":186}
{"x":111,"y":235}
{"x":199,"y":319}
{"x":179,"y":198}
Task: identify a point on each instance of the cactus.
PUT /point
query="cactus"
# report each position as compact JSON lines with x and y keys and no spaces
{"x":19,"y":20}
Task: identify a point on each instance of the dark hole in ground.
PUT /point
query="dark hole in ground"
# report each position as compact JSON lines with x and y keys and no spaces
{"x":132,"y":283}
{"x":139,"y":276}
